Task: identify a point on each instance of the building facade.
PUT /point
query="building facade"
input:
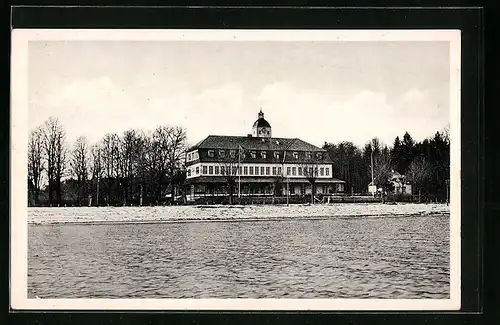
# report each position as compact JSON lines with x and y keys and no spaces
{"x":258,"y":165}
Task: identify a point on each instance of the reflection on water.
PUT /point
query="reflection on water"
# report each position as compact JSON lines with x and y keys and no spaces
{"x":404,"y":257}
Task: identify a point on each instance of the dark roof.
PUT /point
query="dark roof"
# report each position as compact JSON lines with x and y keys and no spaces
{"x":255,"y":143}
{"x":261,"y":122}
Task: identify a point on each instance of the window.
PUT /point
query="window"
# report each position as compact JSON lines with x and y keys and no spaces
{"x":268,"y":170}
{"x":253,"y":154}
{"x":262,"y":170}
{"x":310,"y":171}
{"x":251,"y":170}
{"x":321,"y":171}
{"x":210,"y":153}
{"x":295,"y":155}
{"x":210,"y":170}
{"x":288,"y":170}
{"x":233,"y":170}
{"x":300,"y":171}
{"x":189,"y":172}
{"x":232,"y":153}
{"x":245,"y":170}
{"x":279,"y":170}
{"x":263,"y":154}
{"x":188,"y":157}
{"x":222,"y":153}
{"x":197,"y":170}
{"x":256,"y":170}
{"x":327,"y":171}
{"x":204,"y":169}
{"x":277,"y":154}
{"x":216,"y":170}
{"x":308,"y":155}
{"x":239,"y":170}
{"x":274,"y":170}
{"x":294,"y":171}
{"x":222,"y":170}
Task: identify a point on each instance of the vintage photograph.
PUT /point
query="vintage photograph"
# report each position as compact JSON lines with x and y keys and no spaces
{"x":236,"y":169}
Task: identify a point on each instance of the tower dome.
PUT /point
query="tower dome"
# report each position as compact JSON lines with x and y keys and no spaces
{"x":261,"y":128}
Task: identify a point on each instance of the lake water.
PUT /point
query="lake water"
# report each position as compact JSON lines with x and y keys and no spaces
{"x":351,"y":257}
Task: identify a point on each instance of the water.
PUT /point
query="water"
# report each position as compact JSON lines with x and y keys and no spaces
{"x":385,"y":257}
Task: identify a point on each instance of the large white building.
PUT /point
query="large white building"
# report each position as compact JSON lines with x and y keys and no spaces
{"x":258,"y":165}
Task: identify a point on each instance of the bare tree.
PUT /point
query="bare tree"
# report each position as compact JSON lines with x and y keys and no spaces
{"x":229,"y":165}
{"x":418,"y":174}
{"x":176,"y":151}
{"x":96,"y":170}
{"x":110,"y":155}
{"x":130,"y":147}
{"x":141,"y":153}
{"x":55,"y":149}
{"x":35,"y":161}
{"x":159,"y":157}
{"x":309,"y":170}
{"x":80,"y":166}
{"x":382,"y":172}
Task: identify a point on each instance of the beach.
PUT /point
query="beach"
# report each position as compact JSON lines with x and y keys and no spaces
{"x":161,"y":214}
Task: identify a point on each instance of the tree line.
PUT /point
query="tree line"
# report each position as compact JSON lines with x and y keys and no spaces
{"x":425,"y":165}
{"x":137,"y":167}
{"x":134,"y":167}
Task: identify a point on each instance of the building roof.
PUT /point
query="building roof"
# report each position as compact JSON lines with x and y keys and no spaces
{"x":255,"y":143}
{"x":261,"y":122}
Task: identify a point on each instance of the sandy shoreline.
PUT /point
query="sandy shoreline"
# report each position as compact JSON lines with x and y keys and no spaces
{"x":122,"y":215}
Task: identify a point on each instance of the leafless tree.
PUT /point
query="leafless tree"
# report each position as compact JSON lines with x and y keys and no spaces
{"x":382,"y":172}
{"x":130,"y":148}
{"x":158,"y":158}
{"x":418,"y":174}
{"x":229,"y":164}
{"x":96,"y":170}
{"x":110,"y":155}
{"x":176,"y":152}
{"x":36,"y":161}
{"x":55,"y":150}
{"x":309,"y":170}
{"x":80,"y":166}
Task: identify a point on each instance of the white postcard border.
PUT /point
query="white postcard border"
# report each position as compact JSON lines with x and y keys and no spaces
{"x":18,"y":185}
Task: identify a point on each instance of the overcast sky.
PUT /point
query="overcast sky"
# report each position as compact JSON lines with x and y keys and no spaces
{"x":316,"y":91}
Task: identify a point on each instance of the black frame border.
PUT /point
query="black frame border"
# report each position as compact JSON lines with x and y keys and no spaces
{"x":468,"y":20}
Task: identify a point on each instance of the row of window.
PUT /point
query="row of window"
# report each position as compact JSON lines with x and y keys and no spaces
{"x":263,"y":154}
{"x":256,"y":170}
{"x":192,"y":156}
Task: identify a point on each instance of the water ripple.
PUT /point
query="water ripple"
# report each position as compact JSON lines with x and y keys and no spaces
{"x":323,"y":258}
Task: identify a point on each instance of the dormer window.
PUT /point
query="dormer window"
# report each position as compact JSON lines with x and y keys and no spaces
{"x":232,"y":153}
{"x":263,"y":154}
{"x":211,"y":153}
{"x":277,"y":155}
{"x":222,"y":153}
{"x":319,"y":155}
{"x":254,"y":154}
{"x":295,"y":155}
{"x":308,"y":155}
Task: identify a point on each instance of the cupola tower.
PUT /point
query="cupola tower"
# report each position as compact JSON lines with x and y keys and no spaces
{"x":261,"y":128}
